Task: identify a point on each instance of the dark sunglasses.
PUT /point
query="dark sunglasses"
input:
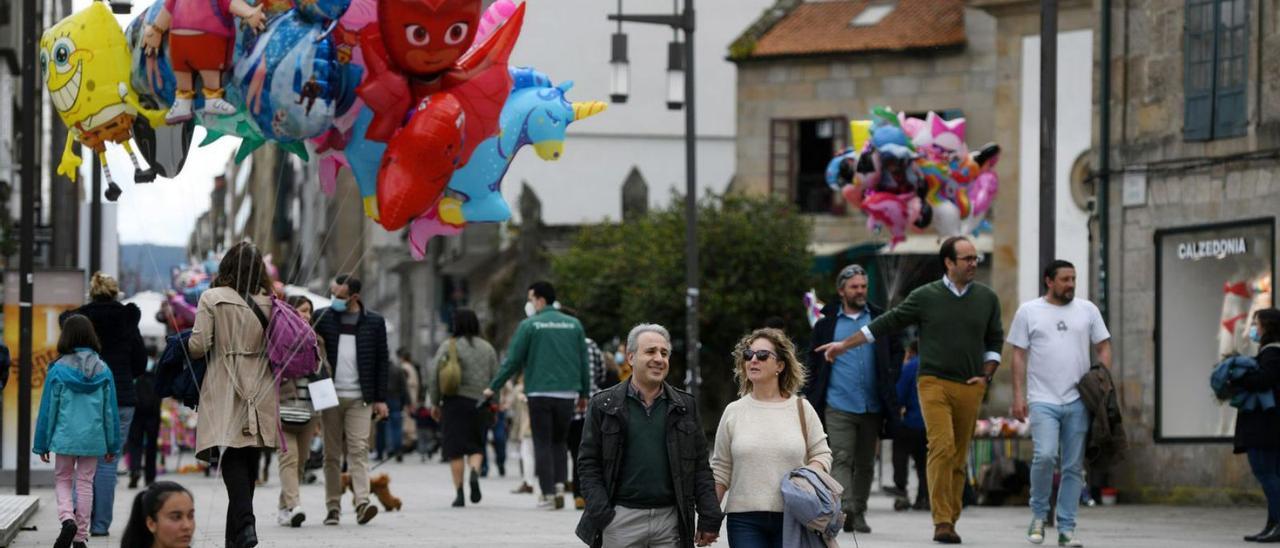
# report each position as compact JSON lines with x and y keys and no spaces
{"x":761,"y":355}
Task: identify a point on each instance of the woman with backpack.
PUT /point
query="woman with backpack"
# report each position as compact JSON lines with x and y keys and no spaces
{"x":238,"y":412}
{"x":300,"y":420}
{"x":78,"y":422}
{"x":465,"y":365}
{"x":125,"y":354}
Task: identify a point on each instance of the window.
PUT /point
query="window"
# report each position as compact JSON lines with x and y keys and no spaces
{"x":1215,"y":70}
{"x":799,"y":151}
{"x":871,"y":15}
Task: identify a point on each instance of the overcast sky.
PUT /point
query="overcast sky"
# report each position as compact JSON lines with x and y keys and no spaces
{"x":163,"y":212}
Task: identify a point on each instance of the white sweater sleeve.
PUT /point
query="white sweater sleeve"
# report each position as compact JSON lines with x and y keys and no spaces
{"x":818,"y":450}
{"x":721,"y":456}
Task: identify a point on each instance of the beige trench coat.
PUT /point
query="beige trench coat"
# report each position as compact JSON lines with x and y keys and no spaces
{"x":239,"y":406}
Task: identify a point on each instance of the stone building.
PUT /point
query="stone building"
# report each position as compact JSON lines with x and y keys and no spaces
{"x":1193,"y":190}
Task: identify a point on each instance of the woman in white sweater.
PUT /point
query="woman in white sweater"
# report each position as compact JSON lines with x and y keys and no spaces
{"x":761,"y":438}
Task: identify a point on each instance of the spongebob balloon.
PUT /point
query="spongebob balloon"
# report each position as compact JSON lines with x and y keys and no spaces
{"x":85,"y":63}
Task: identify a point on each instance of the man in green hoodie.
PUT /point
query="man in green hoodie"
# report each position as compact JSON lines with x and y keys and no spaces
{"x":550,"y":348}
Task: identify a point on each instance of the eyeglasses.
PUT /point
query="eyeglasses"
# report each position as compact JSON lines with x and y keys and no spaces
{"x":761,"y":355}
{"x":975,"y":259}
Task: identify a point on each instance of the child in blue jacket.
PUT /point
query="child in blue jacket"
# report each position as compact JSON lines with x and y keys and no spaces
{"x":79,"y":423}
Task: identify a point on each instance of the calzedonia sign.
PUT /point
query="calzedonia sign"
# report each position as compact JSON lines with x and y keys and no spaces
{"x":1212,"y":249}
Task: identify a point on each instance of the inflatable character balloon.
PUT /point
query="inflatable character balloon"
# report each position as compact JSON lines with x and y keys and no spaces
{"x":201,"y":38}
{"x":85,"y":63}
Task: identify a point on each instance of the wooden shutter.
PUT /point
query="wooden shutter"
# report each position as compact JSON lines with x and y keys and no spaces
{"x":1198,"y":69}
{"x":1231,"y":72}
{"x":782,"y":158}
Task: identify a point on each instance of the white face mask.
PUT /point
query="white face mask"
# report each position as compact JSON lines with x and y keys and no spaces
{"x":529,"y":310}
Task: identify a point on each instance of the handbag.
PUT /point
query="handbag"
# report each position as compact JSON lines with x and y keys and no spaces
{"x":297,"y":411}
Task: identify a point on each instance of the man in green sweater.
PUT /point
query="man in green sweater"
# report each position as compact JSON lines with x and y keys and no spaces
{"x":960,"y":340}
{"x":551,"y":348}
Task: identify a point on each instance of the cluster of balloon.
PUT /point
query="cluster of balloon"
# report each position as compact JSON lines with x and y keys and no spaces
{"x":415,"y":97}
{"x":536,"y":113}
{"x":84,"y":60}
{"x":908,"y":174}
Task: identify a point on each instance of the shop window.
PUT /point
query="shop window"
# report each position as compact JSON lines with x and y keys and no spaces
{"x":1209,"y":281}
{"x":1215,"y":69}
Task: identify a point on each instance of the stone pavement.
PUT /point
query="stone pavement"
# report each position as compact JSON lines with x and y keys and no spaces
{"x":503,"y":519}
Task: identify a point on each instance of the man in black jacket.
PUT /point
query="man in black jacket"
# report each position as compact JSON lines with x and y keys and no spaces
{"x":355,"y":340}
{"x":856,"y":395}
{"x":643,"y":461}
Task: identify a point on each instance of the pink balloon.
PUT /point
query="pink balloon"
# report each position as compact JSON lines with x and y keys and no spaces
{"x":893,"y":211}
{"x":423,"y":228}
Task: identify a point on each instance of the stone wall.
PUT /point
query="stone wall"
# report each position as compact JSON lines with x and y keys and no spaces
{"x":850,"y":85}
{"x":1147,"y":120}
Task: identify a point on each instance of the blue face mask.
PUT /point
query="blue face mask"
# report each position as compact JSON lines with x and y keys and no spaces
{"x":1253,"y":334}
{"x":338,"y":305}
{"x":618,"y":357}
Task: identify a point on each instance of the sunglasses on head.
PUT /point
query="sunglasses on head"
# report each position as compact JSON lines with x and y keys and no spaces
{"x":761,"y":355}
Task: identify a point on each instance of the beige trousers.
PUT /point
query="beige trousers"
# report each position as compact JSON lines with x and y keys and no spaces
{"x":346,"y":433}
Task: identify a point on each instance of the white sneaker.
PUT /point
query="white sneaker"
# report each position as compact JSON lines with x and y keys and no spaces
{"x":179,"y":112}
{"x":291,"y":517}
{"x":218,"y":106}
{"x":1035,"y":532}
{"x":1068,"y":538}
{"x":546,"y":502}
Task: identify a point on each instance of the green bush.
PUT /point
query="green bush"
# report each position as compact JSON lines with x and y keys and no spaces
{"x":755,"y":265}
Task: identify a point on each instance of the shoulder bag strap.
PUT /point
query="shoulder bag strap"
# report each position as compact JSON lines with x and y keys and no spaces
{"x":262,"y":318}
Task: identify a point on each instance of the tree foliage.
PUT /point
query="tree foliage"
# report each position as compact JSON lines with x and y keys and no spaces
{"x":754,"y":264}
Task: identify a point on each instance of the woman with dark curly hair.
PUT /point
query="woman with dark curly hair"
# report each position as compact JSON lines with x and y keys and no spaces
{"x":761,"y":438}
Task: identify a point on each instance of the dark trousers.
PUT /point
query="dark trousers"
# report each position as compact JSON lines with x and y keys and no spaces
{"x":144,"y":435}
{"x":239,"y":467}
{"x":499,"y":430}
{"x":910,"y":443}
{"x":575,"y":439}
{"x":754,"y":529}
{"x":549,"y":419}
{"x":1266,"y":467}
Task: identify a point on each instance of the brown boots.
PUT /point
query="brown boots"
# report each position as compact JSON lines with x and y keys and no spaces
{"x":945,"y":533}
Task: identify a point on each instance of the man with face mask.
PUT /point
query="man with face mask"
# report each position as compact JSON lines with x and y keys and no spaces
{"x":856,"y":395}
{"x":355,"y":339}
{"x":1051,"y":337}
{"x":550,"y":347}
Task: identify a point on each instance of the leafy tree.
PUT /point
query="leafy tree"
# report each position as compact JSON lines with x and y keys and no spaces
{"x":755,"y":266}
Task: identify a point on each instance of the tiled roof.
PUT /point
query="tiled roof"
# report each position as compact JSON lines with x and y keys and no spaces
{"x":824,"y":27}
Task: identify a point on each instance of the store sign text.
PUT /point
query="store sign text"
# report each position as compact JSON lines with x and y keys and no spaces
{"x":1212,"y":249}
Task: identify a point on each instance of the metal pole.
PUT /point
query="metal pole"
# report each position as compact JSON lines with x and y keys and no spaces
{"x":95,"y":218}
{"x":1104,"y":164}
{"x":691,"y":207}
{"x":30,"y":174}
{"x":1048,"y":129}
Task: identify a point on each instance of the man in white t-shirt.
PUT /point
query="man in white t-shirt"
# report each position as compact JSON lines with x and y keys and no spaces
{"x":1051,"y":337}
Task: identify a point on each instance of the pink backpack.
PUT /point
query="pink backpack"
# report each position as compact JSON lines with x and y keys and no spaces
{"x":291,"y":342}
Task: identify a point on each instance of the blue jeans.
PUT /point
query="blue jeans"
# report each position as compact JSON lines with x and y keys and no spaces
{"x":1265,"y":464}
{"x":1058,"y":429}
{"x":104,"y":482}
{"x":754,"y":529}
{"x":391,"y":431}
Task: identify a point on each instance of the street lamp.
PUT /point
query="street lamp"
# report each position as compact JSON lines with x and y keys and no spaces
{"x":620,"y":69}
{"x":680,"y":80}
{"x":675,"y":75}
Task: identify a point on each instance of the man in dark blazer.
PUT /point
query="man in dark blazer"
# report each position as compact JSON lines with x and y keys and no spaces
{"x":855,"y":395}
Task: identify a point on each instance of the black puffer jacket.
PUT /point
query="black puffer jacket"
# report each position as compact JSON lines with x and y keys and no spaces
{"x":122,"y":346}
{"x":373,"y":359}
{"x":600,"y":460}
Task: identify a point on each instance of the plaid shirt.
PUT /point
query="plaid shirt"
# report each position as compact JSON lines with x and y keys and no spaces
{"x":597,"y":365}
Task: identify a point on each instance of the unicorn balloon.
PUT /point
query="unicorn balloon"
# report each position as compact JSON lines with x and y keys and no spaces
{"x":536,"y":113}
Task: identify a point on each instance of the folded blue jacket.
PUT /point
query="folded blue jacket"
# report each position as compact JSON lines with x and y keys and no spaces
{"x":1233,"y":368}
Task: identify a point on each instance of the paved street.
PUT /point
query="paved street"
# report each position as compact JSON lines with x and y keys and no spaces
{"x":503,"y":519}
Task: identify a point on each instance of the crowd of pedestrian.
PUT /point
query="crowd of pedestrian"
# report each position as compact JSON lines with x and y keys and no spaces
{"x":605,"y":425}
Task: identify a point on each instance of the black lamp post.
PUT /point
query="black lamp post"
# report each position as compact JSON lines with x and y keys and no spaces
{"x":680,"y":80}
